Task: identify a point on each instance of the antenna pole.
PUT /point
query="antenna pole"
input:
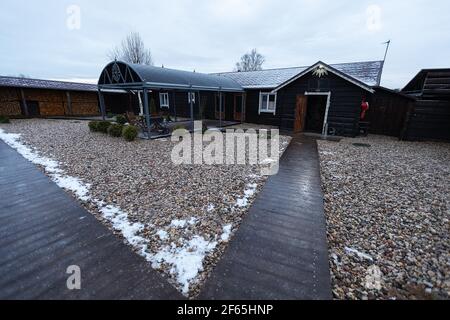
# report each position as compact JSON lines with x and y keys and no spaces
{"x":388,"y":43}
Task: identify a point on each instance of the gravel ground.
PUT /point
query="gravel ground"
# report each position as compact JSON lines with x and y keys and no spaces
{"x":198,"y":205}
{"x":388,"y":211}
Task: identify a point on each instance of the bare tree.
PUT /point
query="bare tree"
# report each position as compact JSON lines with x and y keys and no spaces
{"x":251,"y":61}
{"x":132,"y":50}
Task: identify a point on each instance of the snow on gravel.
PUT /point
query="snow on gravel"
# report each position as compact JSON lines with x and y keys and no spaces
{"x":388,"y":216}
{"x":248,"y":193}
{"x":186,"y":260}
{"x":226,"y":232}
{"x":50,"y":166}
{"x":180,"y":218}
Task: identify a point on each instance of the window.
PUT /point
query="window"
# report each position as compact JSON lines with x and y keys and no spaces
{"x":191,"y":97}
{"x":267,"y":102}
{"x":164,"y":100}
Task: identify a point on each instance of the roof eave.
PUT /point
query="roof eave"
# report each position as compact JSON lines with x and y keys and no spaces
{"x":167,"y":86}
{"x":47,"y":88}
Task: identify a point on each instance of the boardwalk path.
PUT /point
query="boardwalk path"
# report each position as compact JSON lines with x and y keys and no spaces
{"x":280,"y":251}
{"x":43,"y":231}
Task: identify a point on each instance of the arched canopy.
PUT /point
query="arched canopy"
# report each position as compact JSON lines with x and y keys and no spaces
{"x":121,"y":75}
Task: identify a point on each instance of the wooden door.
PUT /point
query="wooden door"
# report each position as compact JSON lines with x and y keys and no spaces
{"x":238,"y":107}
{"x":220,"y":114}
{"x":300,"y":113}
{"x":33,"y":109}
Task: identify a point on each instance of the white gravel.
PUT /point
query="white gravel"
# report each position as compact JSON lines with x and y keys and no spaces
{"x":180,"y":218}
{"x":388,"y":213}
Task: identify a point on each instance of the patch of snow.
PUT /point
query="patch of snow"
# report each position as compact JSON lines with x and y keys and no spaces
{"x":210,"y":208}
{"x":192,"y":221}
{"x":73,"y":184}
{"x":250,"y":191}
{"x":268,"y":161}
{"x":50,"y":166}
{"x":352,"y":251}
{"x":186,"y":261}
{"x":163,"y":235}
{"x":178,"y":223}
{"x":226,"y":233}
{"x":120,"y":222}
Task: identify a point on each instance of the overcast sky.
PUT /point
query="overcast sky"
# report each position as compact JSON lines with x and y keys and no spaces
{"x":43,"y":39}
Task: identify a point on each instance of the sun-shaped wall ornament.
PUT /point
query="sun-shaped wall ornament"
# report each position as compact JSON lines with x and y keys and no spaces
{"x":320,"y":71}
{"x":116,"y":72}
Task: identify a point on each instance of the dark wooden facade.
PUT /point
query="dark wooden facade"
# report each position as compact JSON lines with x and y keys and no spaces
{"x":429,"y":119}
{"x":344,"y":110}
{"x":388,"y":112}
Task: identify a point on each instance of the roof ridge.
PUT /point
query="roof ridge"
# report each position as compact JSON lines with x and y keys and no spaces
{"x":271,"y":69}
{"x":40,"y":79}
{"x":284,"y":68}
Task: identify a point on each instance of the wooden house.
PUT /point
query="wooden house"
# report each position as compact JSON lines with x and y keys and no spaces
{"x":429,"y":119}
{"x":23,"y":97}
{"x":321,"y":98}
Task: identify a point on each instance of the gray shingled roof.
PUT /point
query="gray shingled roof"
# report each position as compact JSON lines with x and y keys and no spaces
{"x":366,"y":72}
{"x":45,"y":84}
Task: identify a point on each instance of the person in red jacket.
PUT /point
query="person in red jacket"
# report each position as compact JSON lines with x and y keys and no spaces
{"x":364,"y":108}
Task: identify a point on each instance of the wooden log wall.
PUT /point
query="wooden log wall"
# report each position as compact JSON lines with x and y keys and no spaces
{"x":51,"y":102}
{"x":10,"y":102}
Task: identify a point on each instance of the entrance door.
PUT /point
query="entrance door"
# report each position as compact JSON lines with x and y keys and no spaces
{"x":315,"y":113}
{"x":300,"y":113}
{"x":238,"y":107}
{"x":33,"y":108}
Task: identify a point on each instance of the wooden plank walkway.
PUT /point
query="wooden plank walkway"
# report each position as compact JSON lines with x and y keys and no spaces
{"x":43,"y":231}
{"x":280,"y":251}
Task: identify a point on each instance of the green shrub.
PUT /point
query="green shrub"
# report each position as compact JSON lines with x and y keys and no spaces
{"x":115,"y":130}
{"x":93,"y":126}
{"x":120,"y":119}
{"x":4,"y":119}
{"x":130,"y":133}
{"x":103,"y":126}
{"x":110,"y":115}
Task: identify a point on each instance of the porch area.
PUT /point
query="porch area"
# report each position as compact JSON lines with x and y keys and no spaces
{"x":169,"y":98}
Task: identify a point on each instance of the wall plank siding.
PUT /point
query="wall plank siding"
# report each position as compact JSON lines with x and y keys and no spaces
{"x":51,"y":102}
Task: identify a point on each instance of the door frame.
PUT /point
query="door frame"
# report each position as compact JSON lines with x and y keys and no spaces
{"x":325,"y":118}
{"x":242,"y":117}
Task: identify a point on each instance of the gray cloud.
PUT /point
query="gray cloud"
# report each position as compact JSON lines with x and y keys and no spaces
{"x":210,"y":36}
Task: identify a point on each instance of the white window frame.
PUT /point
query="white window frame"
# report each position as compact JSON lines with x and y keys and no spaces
{"x":164,"y":100}
{"x":266,"y":109}
{"x":191,"y":96}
